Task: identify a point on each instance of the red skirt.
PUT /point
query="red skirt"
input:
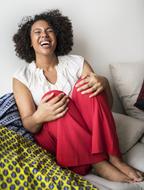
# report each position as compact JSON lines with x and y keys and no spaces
{"x":84,"y":136}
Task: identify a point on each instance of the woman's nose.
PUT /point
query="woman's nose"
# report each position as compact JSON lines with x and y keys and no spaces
{"x":44,"y":33}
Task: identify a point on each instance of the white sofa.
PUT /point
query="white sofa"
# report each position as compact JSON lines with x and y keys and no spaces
{"x":131,"y":138}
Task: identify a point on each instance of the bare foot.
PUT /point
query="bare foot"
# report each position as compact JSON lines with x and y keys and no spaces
{"x":131,"y":172}
{"x":108,"y":171}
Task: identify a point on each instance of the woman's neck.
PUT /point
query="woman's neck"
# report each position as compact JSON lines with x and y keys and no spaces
{"x":46,"y":62}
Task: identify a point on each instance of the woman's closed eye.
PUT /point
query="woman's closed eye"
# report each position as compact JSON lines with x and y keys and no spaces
{"x":49,"y":30}
{"x":37,"y":32}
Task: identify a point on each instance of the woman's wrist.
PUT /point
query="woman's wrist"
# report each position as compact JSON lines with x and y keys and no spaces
{"x":35,"y":118}
{"x":36,"y":122}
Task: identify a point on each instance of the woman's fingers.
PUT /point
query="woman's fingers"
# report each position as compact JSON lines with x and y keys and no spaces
{"x":91,"y":83}
{"x":96,"y":92}
{"x":91,"y":89}
{"x":61,"y":114}
{"x":82,"y":82}
{"x":52,"y":100}
{"x":62,"y":102}
{"x":58,"y":104}
{"x":61,"y":109}
{"x":83,"y":87}
{"x":47,"y":97}
{"x":96,"y":88}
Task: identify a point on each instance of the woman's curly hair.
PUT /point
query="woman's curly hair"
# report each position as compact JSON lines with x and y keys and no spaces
{"x":61,"y":25}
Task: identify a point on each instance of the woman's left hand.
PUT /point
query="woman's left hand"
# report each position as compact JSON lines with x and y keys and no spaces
{"x":92,"y":83}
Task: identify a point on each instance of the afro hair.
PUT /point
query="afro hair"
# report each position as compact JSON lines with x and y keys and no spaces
{"x":61,"y":25}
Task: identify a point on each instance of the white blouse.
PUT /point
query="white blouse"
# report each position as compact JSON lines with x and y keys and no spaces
{"x":69,"y":70}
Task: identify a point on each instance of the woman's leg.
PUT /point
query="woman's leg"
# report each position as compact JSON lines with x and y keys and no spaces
{"x":98,"y":117}
{"x":70,"y":140}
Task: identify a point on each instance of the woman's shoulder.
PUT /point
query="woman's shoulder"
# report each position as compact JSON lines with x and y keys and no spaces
{"x":71,"y":58}
{"x":24,"y":69}
{"x":23,"y":73}
{"x":73,"y":64}
{"x":71,"y":61}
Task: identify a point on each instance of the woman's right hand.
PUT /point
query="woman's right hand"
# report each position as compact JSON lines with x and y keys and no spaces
{"x":51,"y":108}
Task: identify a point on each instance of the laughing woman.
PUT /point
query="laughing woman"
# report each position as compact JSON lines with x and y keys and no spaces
{"x":64,"y":103}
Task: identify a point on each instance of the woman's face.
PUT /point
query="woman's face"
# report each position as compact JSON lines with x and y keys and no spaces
{"x":43,"y":38}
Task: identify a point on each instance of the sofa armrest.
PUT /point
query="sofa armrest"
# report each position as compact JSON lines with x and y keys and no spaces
{"x":129,"y":131}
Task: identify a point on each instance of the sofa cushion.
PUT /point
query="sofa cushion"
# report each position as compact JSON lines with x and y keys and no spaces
{"x":129,"y":131}
{"x":127,"y":80}
{"x":135,"y":157}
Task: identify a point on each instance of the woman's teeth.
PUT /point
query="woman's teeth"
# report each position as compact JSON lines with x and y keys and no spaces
{"x":45,"y":43}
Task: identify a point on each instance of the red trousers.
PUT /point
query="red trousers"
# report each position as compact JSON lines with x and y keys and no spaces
{"x":84,"y":136}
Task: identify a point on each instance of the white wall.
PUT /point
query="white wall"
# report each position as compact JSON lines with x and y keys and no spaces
{"x":105,"y":31}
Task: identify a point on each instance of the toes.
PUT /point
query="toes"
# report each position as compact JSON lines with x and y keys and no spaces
{"x":127,"y":180}
{"x":140,"y":174}
{"x":136,"y":176}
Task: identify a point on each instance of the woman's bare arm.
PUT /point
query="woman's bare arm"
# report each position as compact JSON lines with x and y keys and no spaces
{"x":25,"y":105}
{"x":32,"y":116}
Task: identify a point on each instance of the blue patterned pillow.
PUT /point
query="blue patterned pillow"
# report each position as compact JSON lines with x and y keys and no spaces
{"x":10,"y":117}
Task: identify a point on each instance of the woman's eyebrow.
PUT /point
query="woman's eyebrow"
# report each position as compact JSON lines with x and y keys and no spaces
{"x":40,"y":28}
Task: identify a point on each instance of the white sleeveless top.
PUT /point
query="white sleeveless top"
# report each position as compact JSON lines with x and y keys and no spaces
{"x":69,"y":70}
